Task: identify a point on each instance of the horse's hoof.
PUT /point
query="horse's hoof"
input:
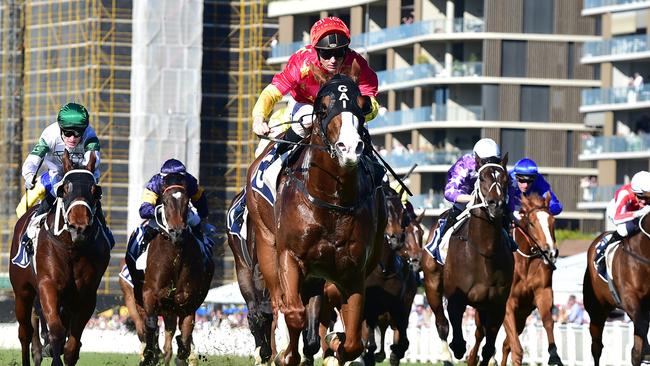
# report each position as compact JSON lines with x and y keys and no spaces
{"x":555,"y":360}
{"x":380,"y":356}
{"x":330,"y":338}
{"x":47,"y":351}
{"x":459,"y":349}
{"x":307,"y":361}
{"x":356,"y":362}
{"x":447,"y":363}
{"x":394,"y":359}
{"x":330,"y":361}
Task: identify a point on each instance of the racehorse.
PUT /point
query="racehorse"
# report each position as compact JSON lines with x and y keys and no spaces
{"x":391,"y":287}
{"x":630,"y":269}
{"x":254,"y":291}
{"x":71,"y":255}
{"x":479,"y":266}
{"x":328,"y":219}
{"x":177,"y":276}
{"x":532,"y":280}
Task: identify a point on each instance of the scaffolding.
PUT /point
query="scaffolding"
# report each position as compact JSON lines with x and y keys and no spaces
{"x":236,"y":37}
{"x":55,"y":52}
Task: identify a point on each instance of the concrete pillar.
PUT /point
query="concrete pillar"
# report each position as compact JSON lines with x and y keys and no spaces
{"x":449,"y":27}
{"x":285,"y":29}
{"x":356,"y":20}
{"x":388,"y":141}
{"x":606,"y":172}
{"x":417,"y":10}
{"x":415,"y":184}
{"x":393,"y":13}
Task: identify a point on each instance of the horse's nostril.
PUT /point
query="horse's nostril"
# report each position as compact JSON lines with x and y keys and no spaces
{"x":341,"y":146}
{"x":359,"y":148}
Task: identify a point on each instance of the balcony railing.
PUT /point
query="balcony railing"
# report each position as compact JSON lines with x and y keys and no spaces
{"x":617,"y":46}
{"x":615,"y":96}
{"x":616,"y":144}
{"x":599,"y":193}
{"x":427,"y":114}
{"x":434,"y":200}
{"x":407,"y":159}
{"x":423,"y":71}
{"x":404,"y":31}
{"x":598,"y":3}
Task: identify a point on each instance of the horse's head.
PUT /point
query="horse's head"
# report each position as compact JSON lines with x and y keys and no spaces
{"x":413,"y":235}
{"x":539,"y":224}
{"x":175,"y":203}
{"x":492,"y":185}
{"x":339,"y":118}
{"x":79,"y":194}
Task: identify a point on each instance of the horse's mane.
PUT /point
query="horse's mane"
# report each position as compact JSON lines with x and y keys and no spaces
{"x":174,"y":179}
{"x":532,"y":201}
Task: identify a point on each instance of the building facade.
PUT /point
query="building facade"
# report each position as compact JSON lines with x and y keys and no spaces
{"x":620,"y":106}
{"x":452,"y":72}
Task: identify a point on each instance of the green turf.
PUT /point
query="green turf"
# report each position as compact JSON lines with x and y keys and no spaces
{"x":12,"y":358}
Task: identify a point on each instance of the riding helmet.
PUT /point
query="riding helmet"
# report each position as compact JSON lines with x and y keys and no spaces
{"x":172,"y":166}
{"x":640,"y":182}
{"x":329,"y":33}
{"x":73,"y":116}
{"x":526,"y":167}
{"x":486,"y":148}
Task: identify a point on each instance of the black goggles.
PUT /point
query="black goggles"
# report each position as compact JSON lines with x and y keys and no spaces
{"x":70,"y":133}
{"x":336,"y":52}
{"x":525,"y":179}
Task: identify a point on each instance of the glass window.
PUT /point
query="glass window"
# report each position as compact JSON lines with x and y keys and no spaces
{"x":538,"y":16}
{"x":513,"y":142}
{"x":534,"y":105}
{"x":490,"y":102}
{"x":513,"y":58}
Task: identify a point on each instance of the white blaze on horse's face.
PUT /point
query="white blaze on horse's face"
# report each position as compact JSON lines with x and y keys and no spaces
{"x":348,"y":145}
{"x":543,"y":219}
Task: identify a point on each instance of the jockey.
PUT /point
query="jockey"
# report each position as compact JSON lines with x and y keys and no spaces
{"x":71,"y":133}
{"x":629,"y":204}
{"x":329,"y":52}
{"x":525,"y":179}
{"x":461,"y":179}
{"x":196,"y":216}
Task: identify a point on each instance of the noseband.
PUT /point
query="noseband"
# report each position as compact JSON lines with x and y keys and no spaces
{"x":159,"y":212}
{"x":536,"y":250}
{"x":477,"y":193}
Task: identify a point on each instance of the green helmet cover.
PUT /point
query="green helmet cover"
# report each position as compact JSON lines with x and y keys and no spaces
{"x":73,"y":116}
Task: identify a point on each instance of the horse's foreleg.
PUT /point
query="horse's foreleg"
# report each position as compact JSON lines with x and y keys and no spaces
{"x":311,"y":336}
{"x":23,"y":307}
{"x":37,"y":347}
{"x":640,"y":319}
{"x":291,"y":279}
{"x":50,"y":304}
{"x":491,"y":323}
{"x":597,"y":314}
{"x":511,"y":343}
{"x":544,"y":302}
{"x":479,"y":334}
{"x":433,"y":289}
{"x":352,"y":313}
{"x":77,"y":325}
{"x":184,"y":340}
{"x":171,"y":321}
{"x":456,"y":307}
{"x":134,"y":313}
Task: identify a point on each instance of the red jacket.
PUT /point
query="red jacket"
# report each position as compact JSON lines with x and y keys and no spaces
{"x":626,"y":204}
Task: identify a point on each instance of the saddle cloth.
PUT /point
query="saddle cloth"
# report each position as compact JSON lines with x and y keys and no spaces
{"x":607,"y":255}
{"x":236,"y":218}
{"x":265,"y":179}
{"x":439,"y":252}
{"x":22,"y":259}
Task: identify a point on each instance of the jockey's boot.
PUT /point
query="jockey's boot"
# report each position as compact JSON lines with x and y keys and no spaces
{"x":99,"y":214}
{"x":449,"y":222}
{"x":507,"y":226}
{"x":148,"y":233}
{"x":600,"y":249}
{"x":25,"y":240}
{"x":289,"y":136}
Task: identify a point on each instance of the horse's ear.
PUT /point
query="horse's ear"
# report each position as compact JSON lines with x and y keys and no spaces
{"x":420,"y":217}
{"x":547,"y":199}
{"x":320,"y":110}
{"x":504,"y":161}
{"x":92,"y":160}
{"x":478,"y":160}
{"x":67,"y":163}
{"x":319,"y":74}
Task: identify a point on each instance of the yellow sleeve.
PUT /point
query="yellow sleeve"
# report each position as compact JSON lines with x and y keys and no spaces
{"x":373,"y":110}
{"x":264,"y":105}
{"x":278,"y":120}
{"x":149,"y":197}
{"x":197,"y":195}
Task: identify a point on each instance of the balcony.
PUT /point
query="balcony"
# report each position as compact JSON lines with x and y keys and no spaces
{"x":389,"y":79}
{"x":393,"y":36}
{"x":407,"y":159}
{"x":429,"y":201}
{"x":610,"y":99}
{"x":616,"y":49}
{"x":596,"y":197}
{"x":615,"y":147}
{"x":427,"y":114}
{"x":592,"y":7}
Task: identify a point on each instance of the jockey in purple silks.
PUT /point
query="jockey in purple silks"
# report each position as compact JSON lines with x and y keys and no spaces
{"x":461,"y":179}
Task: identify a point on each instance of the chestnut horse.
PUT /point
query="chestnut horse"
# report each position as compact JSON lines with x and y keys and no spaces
{"x":253,"y":289}
{"x":177,"y":276}
{"x":327,"y":222}
{"x":479,"y":266}
{"x":532,"y":280}
{"x":71,"y":255}
{"x":630,"y":271}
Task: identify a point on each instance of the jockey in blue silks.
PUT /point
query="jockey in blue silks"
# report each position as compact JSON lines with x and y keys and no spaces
{"x":153,"y":192}
{"x":525,"y":180}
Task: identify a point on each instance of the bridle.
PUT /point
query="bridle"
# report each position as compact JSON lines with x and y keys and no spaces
{"x":160,"y":217}
{"x":65,"y":204}
{"x":478,"y":198}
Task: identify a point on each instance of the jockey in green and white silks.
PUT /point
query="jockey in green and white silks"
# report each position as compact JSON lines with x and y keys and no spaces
{"x":71,"y":133}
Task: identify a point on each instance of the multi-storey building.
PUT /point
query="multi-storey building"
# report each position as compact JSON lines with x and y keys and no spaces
{"x":451,"y":72}
{"x":620,"y":106}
